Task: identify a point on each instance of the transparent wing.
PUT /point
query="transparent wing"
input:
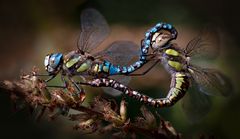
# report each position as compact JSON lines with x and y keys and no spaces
{"x":195,"y":105}
{"x":211,"y":81}
{"x":205,"y":45}
{"x":94,"y":29}
{"x":120,"y":52}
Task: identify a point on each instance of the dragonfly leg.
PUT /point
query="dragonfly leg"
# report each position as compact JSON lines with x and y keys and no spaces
{"x":143,"y":73}
{"x":48,"y":75}
{"x":80,"y":94}
{"x":41,"y":75}
{"x":60,"y":86}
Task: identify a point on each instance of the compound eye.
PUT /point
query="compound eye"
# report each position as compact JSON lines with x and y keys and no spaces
{"x":52,"y":60}
{"x":159,"y":38}
{"x":46,"y":61}
{"x":155,"y":37}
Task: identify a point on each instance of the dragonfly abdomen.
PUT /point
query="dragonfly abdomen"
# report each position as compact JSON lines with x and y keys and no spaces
{"x":103,"y":67}
{"x":179,"y":86}
{"x":111,"y":69}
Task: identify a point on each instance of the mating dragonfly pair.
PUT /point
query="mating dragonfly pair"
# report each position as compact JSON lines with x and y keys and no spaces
{"x":96,"y":69}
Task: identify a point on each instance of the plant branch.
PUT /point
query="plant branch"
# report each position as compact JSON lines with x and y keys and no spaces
{"x":35,"y":93}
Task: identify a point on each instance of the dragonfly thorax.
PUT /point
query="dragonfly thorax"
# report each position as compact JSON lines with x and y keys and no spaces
{"x":77,"y":62}
{"x":173,"y":59}
{"x":53,"y":63}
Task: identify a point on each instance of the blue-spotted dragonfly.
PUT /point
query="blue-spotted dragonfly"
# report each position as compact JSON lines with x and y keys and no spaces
{"x":83,"y":63}
{"x":178,"y":62}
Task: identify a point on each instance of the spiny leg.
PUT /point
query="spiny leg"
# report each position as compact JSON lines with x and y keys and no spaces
{"x":42,"y":74}
{"x":80,"y":94}
{"x":151,"y":57}
{"x":50,"y":78}
{"x":48,"y":75}
{"x":60,"y":86}
{"x":146,"y":71}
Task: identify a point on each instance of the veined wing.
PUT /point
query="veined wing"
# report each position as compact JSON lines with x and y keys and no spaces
{"x":205,"y":45}
{"x":94,"y":29}
{"x":195,"y":105}
{"x":119,"y":53}
{"x":211,"y":81}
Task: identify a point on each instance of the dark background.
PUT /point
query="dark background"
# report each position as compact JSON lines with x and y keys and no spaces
{"x":31,"y":29}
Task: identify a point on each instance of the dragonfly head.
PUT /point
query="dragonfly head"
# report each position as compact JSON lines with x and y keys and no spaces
{"x":160,"y":39}
{"x":53,"y":62}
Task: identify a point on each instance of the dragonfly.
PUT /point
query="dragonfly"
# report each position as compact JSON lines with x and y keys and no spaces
{"x":84,"y":63}
{"x":185,"y":75}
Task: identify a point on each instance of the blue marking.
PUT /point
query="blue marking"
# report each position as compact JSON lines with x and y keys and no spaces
{"x":147,"y":42}
{"x":164,"y":26}
{"x":113,"y":70}
{"x":143,"y":58}
{"x":144,"y":50}
{"x":57,"y":59}
{"x":118,"y":69}
{"x":153,"y":30}
{"x":101,"y":67}
{"x":132,"y":68}
{"x":106,"y":63}
{"x":141,"y":62}
{"x":136,"y":65}
{"x":169,"y":26}
{"x":158,"y":25}
{"x":124,"y":70}
{"x":147,"y":34}
{"x":129,"y":69}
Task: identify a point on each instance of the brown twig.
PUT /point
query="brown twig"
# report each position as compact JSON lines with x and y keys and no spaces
{"x":34,"y":92}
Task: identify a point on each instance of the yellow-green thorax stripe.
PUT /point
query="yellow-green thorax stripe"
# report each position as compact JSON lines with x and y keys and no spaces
{"x":176,"y":65}
{"x":172,"y":52}
{"x":72,"y":62}
{"x":84,"y":67}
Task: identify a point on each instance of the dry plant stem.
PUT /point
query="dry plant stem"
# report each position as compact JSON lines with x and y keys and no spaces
{"x":21,"y":89}
{"x":35,"y":93}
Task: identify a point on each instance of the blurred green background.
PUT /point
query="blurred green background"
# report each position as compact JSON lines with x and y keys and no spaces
{"x":31,"y":29}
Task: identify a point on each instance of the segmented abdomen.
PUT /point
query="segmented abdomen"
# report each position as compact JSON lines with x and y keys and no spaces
{"x":116,"y":69}
{"x":179,"y":86}
{"x":110,"y":69}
